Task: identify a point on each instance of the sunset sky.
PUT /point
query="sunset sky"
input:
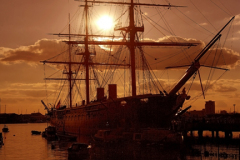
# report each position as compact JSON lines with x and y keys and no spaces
{"x":25,"y":41}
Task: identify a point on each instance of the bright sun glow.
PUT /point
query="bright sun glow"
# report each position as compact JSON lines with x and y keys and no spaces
{"x":105,"y":22}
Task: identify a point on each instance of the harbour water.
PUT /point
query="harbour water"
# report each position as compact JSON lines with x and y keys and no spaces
{"x":20,"y":144}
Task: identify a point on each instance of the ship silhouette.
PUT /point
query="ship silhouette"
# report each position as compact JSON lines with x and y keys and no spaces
{"x":140,"y":104}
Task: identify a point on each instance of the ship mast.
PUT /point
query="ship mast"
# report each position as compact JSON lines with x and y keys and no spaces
{"x":131,"y":43}
{"x":70,"y":67}
{"x":86,"y":52}
{"x":132,"y":47}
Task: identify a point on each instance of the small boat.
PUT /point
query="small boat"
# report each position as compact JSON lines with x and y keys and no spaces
{"x":5,"y":128}
{"x":156,"y":136}
{"x":78,"y":150}
{"x":44,"y":134}
{"x":50,"y":133}
{"x":107,"y":136}
{"x":101,"y":135}
{"x":1,"y":139}
{"x":66,"y":137}
{"x":36,"y":132}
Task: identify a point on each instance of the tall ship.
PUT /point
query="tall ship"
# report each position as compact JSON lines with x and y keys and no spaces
{"x":106,"y":80}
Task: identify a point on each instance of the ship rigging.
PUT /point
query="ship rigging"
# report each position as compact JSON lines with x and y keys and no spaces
{"x":131,"y":39}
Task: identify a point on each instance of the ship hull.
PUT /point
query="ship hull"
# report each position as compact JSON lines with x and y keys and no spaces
{"x":127,"y":114}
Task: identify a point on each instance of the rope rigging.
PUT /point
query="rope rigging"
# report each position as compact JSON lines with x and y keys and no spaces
{"x":119,"y":57}
{"x":221,"y":8}
{"x":195,"y":22}
{"x":203,"y":15}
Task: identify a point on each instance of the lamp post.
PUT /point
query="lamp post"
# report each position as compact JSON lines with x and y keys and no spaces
{"x":234,"y":108}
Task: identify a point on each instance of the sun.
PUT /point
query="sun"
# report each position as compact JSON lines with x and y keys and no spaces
{"x":105,"y":22}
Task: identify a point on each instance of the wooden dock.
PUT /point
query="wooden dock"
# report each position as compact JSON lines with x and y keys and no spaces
{"x":225,"y":123}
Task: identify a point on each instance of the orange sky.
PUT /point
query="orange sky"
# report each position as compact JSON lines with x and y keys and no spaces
{"x":25,"y":41}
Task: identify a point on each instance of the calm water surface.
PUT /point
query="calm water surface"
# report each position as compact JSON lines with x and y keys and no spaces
{"x":20,"y":144}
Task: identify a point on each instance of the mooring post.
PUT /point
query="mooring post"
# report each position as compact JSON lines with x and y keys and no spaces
{"x":184,"y":134}
{"x":239,"y":149}
{"x":226,"y":134}
{"x":191,"y":133}
{"x":212,"y":134}
{"x":230,"y":134}
{"x":217,"y":134}
{"x":200,"y":133}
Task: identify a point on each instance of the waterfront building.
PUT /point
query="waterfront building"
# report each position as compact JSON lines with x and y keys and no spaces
{"x":210,"y":107}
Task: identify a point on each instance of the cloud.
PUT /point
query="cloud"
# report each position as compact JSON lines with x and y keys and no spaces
{"x":222,"y":57}
{"x":237,"y":20}
{"x":236,"y":82}
{"x":221,"y":86}
{"x":176,"y":56}
{"x":203,"y":24}
{"x":27,"y":90}
{"x":41,"y":50}
{"x":51,"y":86}
{"x":157,"y":57}
{"x":224,"y":88}
{"x":235,"y":38}
{"x":24,"y":93}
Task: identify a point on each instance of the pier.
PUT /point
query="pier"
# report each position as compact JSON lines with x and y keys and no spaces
{"x":227,"y":123}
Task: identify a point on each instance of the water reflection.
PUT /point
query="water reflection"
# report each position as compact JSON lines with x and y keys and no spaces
{"x":133,"y":151}
{"x":212,"y":148}
{"x":20,"y":144}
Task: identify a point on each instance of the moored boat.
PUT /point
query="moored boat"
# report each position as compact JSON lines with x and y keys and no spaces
{"x":1,"y":139}
{"x":107,"y":136}
{"x":157,"y":136}
{"x":34,"y":132}
{"x":66,"y":137}
{"x":43,"y":134}
{"x":50,"y":133}
{"x":78,"y":150}
{"x":5,"y":128}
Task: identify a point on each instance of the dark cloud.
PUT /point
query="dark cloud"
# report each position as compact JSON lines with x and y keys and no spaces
{"x":158,"y":57}
{"x":223,"y":57}
{"x":41,"y":50}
